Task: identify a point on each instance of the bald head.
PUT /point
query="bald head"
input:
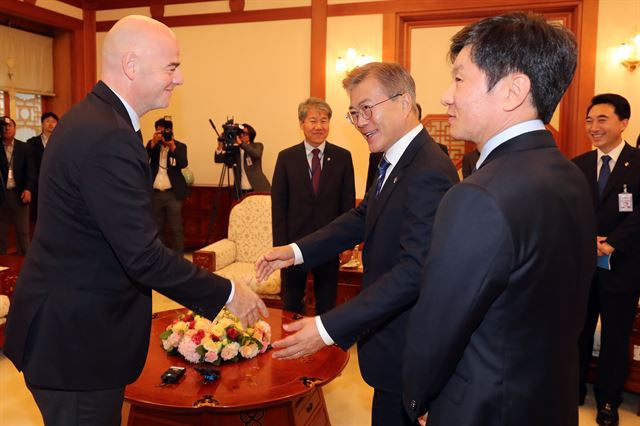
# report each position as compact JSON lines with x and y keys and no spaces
{"x":140,"y":59}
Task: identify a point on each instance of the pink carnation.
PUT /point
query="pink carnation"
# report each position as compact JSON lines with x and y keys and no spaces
{"x":188,"y":350}
{"x":172,"y":341}
{"x":211,"y":356}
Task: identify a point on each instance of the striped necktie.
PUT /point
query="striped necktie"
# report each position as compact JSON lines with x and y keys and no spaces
{"x":382,"y":171}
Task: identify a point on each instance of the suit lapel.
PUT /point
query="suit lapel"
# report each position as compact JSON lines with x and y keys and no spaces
{"x":327,"y":166}
{"x":375,"y":206}
{"x":619,"y":173}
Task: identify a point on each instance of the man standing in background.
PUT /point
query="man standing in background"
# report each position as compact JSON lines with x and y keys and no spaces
{"x":167,"y":158}
{"x":19,"y":174}
{"x":37,"y":144}
{"x":313,"y":184}
{"x":613,"y":173}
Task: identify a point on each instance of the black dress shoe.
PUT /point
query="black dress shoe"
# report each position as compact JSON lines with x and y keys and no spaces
{"x":607,"y":415}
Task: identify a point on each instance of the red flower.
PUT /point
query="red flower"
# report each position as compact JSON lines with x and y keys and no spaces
{"x":197,"y":338}
{"x":232,"y":333}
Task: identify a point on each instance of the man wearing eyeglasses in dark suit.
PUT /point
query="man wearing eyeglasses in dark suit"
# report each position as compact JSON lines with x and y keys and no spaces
{"x":394,"y":220}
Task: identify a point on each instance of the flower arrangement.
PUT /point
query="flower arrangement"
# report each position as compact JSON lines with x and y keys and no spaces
{"x":198,"y":339}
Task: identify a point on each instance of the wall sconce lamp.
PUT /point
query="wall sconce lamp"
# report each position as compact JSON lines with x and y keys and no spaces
{"x":11,"y":63}
{"x":629,"y":53}
{"x":351,"y":59}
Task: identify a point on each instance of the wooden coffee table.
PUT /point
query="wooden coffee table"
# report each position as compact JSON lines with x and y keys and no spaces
{"x":260,"y":391}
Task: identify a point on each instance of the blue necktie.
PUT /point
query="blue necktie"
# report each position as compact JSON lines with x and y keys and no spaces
{"x":605,"y":172}
{"x":382,"y":170}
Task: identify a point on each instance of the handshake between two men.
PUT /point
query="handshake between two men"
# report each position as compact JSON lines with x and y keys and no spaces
{"x":306,"y":339}
{"x":248,"y":306}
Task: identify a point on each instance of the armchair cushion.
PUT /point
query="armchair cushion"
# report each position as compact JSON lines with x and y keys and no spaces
{"x":249,"y":236}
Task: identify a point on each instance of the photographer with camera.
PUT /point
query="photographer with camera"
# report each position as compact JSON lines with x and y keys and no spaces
{"x":237,"y":148}
{"x":167,"y":158}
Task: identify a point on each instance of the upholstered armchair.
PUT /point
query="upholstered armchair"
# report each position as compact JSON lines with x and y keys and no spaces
{"x":249,"y":236}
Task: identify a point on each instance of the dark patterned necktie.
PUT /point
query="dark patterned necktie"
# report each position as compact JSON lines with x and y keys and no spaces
{"x":315,"y":170}
{"x":605,"y":172}
{"x":382,"y":170}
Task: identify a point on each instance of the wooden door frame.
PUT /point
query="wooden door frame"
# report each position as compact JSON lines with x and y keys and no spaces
{"x":577,"y":15}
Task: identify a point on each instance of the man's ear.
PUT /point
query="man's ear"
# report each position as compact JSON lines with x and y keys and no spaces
{"x":407,"y":103}
{"x":518,"y":88}
{"x":130,"y":64}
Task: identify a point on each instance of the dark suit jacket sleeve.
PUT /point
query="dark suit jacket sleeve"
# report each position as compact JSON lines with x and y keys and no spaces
{"x":279,"y":203}
{"x":466,"y":269}
{"x":348,"y":187}
{"x":31,"y":177}
{"x":254,"y":150}
{"x":397,"y":289}
{"x":180,"y":156}
{"x":627,"y":234}
{"x":116,"y":191}
{"x":342,"y":233}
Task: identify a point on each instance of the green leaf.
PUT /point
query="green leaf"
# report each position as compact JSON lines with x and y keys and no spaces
{"x":165,"y":334}
{"x":201,"y":350}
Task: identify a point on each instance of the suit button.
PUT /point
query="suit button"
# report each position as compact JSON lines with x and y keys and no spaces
{"x":413,"y":404}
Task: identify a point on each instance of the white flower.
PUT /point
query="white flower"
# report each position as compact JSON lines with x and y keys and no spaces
{"x":230,"y":351}
{"x":249,"y":351}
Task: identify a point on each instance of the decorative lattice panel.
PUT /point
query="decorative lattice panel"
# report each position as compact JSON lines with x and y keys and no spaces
{"x":438,"y":127}
{"x":27,"y":115}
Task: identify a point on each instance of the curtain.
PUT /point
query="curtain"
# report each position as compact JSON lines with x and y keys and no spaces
{"x":28,"y":58}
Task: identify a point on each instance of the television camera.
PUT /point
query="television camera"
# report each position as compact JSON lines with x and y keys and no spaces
{"x":230,"y":131}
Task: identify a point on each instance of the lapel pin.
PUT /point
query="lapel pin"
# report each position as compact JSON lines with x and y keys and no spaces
{"x":328,"y":158}
{"x":626,"y":164}
{"x":395,"y":179}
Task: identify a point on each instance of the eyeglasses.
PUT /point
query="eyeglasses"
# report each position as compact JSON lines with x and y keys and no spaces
{"x":365,"y":110}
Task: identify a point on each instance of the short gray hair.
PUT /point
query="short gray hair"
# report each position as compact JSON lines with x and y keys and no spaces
{"x":304,"y":107}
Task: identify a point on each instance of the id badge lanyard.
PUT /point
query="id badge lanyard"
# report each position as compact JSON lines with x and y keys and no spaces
{"x":625,"y":200}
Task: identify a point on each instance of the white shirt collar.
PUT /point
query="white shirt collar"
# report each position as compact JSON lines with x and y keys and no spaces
{"x":308,"y":148}
{"x":614,"y":153}
{"x":396,"y":150}
{"x":505,"y":135}
{"x":135,"y":120}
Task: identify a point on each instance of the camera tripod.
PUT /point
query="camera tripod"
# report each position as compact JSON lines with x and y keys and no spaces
{"x":236,"y":192}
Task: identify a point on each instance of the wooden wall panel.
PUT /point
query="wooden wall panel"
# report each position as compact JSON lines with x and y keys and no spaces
{"x":318,"y":48}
